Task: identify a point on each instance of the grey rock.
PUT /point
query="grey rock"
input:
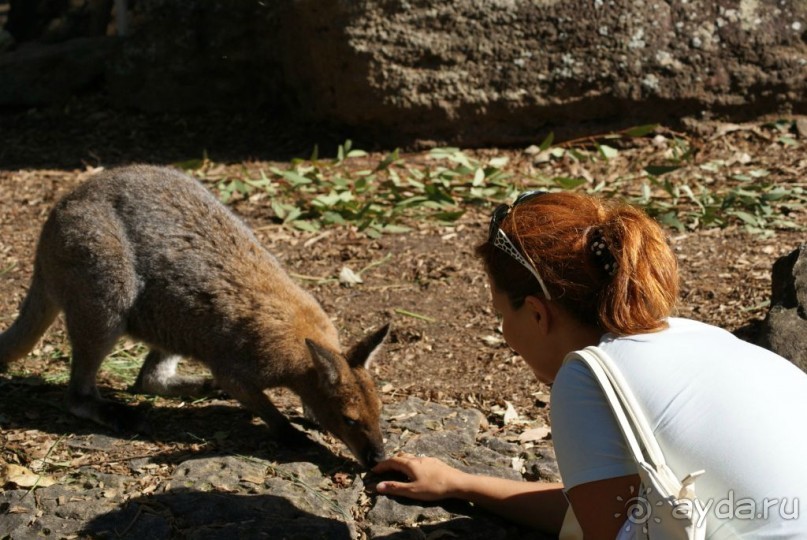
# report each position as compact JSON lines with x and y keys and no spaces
{"x":467,"y":72}
{"x":481,"y":73}
{"x":95,"y":441}
{"x":41,"y":74}
{"x":541,"y":465}
{"x":784,"y":330}
{"x":249,"y":497}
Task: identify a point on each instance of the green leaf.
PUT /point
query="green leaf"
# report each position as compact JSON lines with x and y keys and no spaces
{"x":671,"y":220}
{"x":333,"y":218}
{"x":479,"y":177}
{"x":295,"y":178}
{"x":641,"y":131}
{"x":395,"y":229}
{"x":775,"y":194}
{"x":569,"y":183}
{"x":499,"y":162}
{"x":547,"y":142}
{"x":760,"y":173}
{"x":305,"y":225}
{"x":449,"y":216}
{"x":607,"y":152}
{"x":745,"y":217}
{"x":190,"y":164}
{"x":658,"y":170}
{"x":388,"y":160}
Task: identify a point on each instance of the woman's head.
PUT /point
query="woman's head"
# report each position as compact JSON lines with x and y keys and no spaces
{"x":607,"y":263}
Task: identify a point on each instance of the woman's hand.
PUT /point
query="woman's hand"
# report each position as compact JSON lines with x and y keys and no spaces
{"x":536,"y":504}
{"x":429,"y":479}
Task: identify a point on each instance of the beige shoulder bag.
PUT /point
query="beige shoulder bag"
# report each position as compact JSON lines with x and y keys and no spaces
{"x":666,"y":508}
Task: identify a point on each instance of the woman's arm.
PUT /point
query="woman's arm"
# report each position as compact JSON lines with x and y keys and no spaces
{"x":602,"y":507}
{"x":538,"y":505}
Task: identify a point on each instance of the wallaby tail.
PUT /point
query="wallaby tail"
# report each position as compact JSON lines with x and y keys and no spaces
{"x":36,"y":315}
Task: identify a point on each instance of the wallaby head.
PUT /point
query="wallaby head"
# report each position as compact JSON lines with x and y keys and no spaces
{"x":345,"y":401}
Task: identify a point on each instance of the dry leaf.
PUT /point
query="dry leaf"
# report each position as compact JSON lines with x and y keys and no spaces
{"x":251,"y":479}
{"x":17,"y":510}
{"x":22,"y":477}
{"x":534,"y":434}
{"x":492,"y":341}
{"x":349,"y":277}
{"x":510,"y":415}
{"x":342,"y":479}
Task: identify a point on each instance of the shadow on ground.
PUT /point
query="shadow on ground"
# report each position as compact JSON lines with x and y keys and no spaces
{"x":177,"y":433}
{"x":89,"y":133}
{"x":184,"y":513}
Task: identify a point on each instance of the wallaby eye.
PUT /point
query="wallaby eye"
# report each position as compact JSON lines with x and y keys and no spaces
{"x":349,"y":421}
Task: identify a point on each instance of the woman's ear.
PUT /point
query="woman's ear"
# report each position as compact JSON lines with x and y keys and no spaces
{"x":539,"y":310}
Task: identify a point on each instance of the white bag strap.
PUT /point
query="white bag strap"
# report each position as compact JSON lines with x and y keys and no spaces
{"x":632,"y":422}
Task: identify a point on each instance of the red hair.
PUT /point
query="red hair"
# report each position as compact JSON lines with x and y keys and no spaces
{"x":557,"y":231}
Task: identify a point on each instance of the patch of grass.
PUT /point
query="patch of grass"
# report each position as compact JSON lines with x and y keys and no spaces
{"x":385,"y":194}
{"x":124,"y":363}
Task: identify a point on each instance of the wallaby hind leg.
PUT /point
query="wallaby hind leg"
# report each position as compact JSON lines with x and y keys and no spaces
{"x":159,"y":376}
{"x":83,"y":398}
{"x":92,"y":338}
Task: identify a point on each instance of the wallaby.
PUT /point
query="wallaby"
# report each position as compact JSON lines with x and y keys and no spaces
{"x":148,"y":252}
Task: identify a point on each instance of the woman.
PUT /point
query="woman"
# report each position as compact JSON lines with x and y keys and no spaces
{"x":568,"y":271}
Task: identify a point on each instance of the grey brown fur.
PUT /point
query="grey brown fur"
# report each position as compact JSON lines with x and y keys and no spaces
{"x":148,"y":252}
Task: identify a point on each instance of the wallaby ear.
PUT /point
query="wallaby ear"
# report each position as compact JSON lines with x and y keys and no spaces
{"x":326,"y":362}
{"x":363,"y":352}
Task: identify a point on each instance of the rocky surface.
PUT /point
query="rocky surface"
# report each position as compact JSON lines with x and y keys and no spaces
{"x":784,"y":329}
{"x":492,"y":72}
{"x":239,"y":496}
{"x":466,"y":72}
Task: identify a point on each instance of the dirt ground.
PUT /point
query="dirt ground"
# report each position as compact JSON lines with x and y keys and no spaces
{"x":445,"y":345}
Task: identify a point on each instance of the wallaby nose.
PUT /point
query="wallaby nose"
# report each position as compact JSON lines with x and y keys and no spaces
{"x":374,"y":457}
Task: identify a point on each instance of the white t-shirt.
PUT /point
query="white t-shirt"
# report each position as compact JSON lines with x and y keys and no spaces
{"x":714,"y":402}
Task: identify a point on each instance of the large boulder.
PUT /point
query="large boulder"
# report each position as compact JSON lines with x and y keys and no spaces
{"x":469,"y":72}
{"x":50,"y":73}
{"x":483,"y":73}
{"x":784,"y":329}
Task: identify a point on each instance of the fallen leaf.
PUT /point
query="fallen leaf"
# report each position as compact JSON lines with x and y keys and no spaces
{"x":510,"y":415}
{"x":22,"y":477}
{"x":349,"y":277}
{"x":342,"y":479}
{"x":492,"y":341}
{"x":535,"y":434}
{"x":17,"y":510}
{"x":251,"y":479}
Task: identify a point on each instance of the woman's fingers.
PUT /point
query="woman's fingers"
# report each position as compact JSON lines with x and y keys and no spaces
{"x":389,"y":487}
{"x":426,"y":479}
{"x":399,"y":462}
